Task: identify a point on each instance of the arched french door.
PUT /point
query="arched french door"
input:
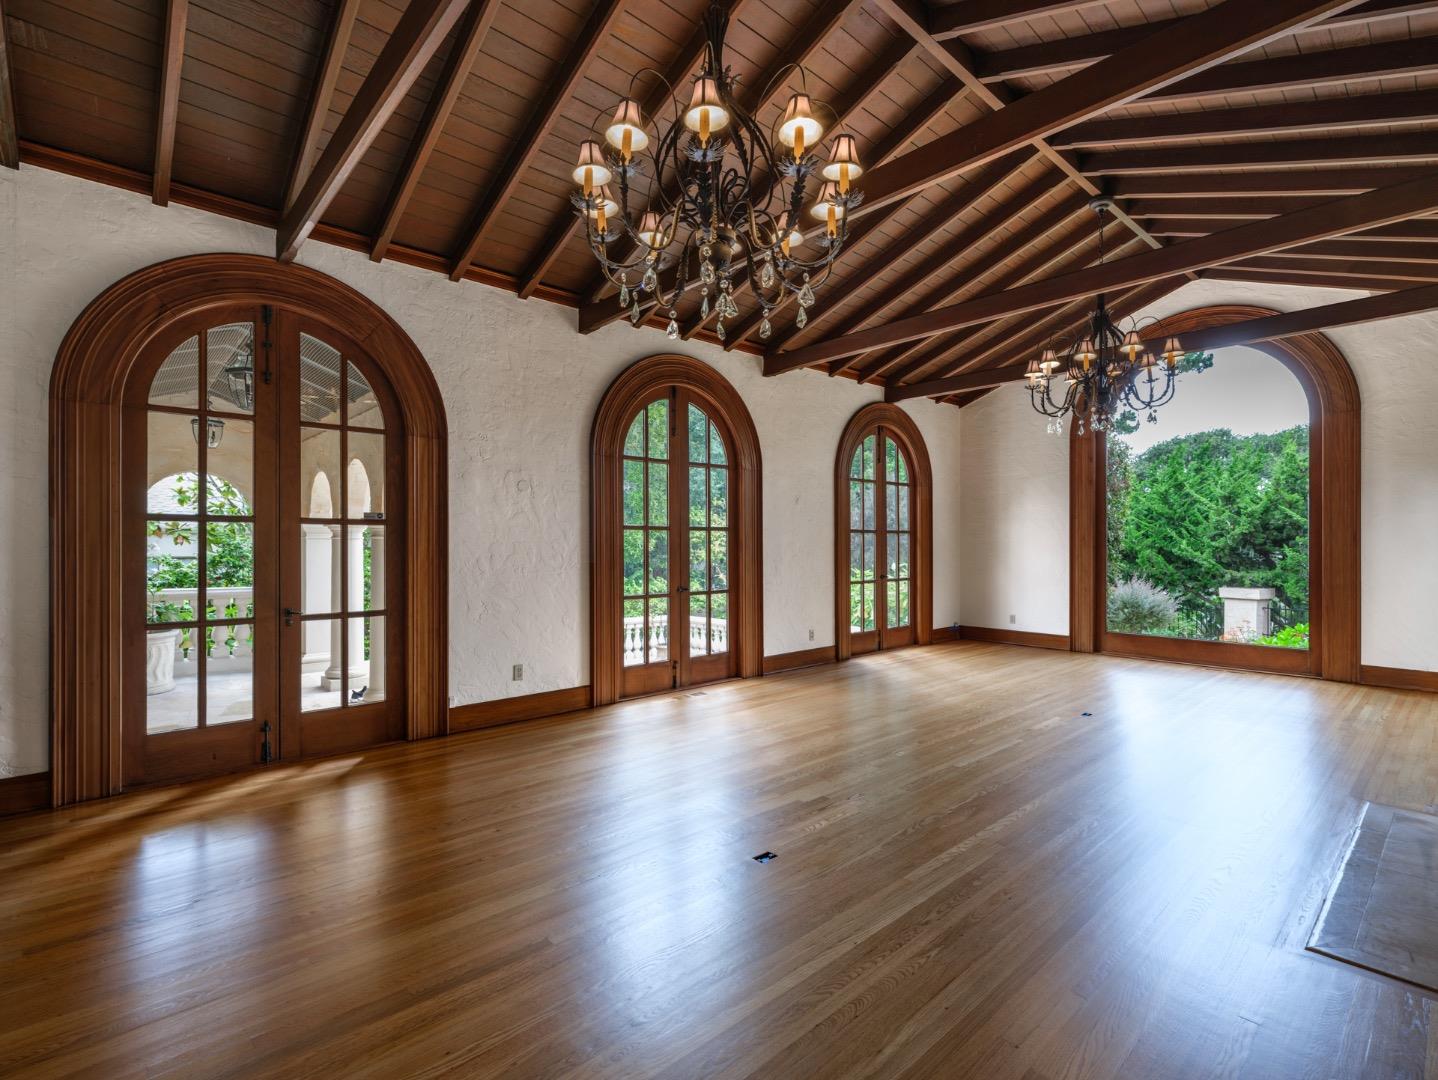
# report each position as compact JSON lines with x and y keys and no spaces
{"x":261,"y":547}
{"x":675,"y":532}
{"x":248,"y":543}
{"x":883,"y":533}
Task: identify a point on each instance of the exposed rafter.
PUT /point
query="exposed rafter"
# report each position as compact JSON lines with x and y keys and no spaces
{"x":511,"y":174}
{"x":975,"y":15}
{"x":1335,"y":218}
{"x":1069,"y":244}
{"x":421,"y":30}
{"x":1198,"y":42}
{"x":1016,"y":239}
{"x":9,"y":132}
{"x":1064,"y":54}
{"x":1246,"y":332}
{"x":321,"y":92}
{"x":1294,"y":153}
{"x":978,"y":186}
{"x":172,"y":60}
{"x":1369,"y":110}
{"x":1279,"y":184}
{"x":465,"y":50}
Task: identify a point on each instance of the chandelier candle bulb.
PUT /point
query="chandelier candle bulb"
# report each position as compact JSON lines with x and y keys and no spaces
{"x":707,"y":113}
{"x":626,"y":131}
{"x":592,"y":171}
{"x":800,"y":127}
{"x":843,"y":165}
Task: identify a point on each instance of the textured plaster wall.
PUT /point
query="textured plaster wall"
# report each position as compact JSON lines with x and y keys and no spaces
{"x":1396,"y":364}
{"x":520,"y":389}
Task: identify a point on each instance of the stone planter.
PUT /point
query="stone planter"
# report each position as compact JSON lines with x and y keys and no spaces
{"x":160,"y":646}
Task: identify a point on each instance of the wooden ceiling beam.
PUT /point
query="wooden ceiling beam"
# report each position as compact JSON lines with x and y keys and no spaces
{"x":1296,"y":153}
{"x":421,"y":30}
{"x":1335,"y":218}
{"x":919,"y":356}
{"x":172,"y":62}
{"x":1021,"y":237}
{"x":1245,"y":332}
{"x":1198,"y":42}
{"x":1064,"y":54}
{"x":1150,"y":209}
{"x":976,"y":15}
{"x":9,"y":132}
{"x":1411,"y":56}
{"x":321,"y":93}
{"x":510,"y":174}
{"x":1412,"y":230}
{"x":1374,"y":270}
{"x":1307,"y":281}
{"x":464,"y":52}
{"x":978,"y":186}
{"x":1364,"y":251}
{"x":1023,"y":336}
{"x":1345,"y":113}
{"x":566,"y":224}
{"x":1247,"y":185}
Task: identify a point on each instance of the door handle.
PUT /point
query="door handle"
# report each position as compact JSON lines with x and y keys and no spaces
{"x":290,"y":614}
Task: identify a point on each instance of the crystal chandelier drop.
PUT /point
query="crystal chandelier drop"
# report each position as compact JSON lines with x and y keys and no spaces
{"x":727,"y":200}
{"x":1106,"y":372}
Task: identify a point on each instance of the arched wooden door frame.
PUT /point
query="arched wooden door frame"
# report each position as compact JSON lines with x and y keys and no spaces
{"x":87,"y":390}
{"x":1334,"y":512}
{"x":632,"y":388}
{"x":901,"y":425}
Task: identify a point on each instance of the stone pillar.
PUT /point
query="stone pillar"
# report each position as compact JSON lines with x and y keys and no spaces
{"x":316,"y":542}
{"x":1247,"y":613}
{"x":334,"y":677}
{"x":378,"y":599}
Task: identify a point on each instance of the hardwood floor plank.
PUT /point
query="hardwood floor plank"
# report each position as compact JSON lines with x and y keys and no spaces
{"x":992,"y":861}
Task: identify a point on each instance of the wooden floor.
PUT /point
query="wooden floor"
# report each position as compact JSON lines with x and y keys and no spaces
{"x":992,"y":862}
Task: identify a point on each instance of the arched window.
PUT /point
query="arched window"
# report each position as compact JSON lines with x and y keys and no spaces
{"x":228,"y":440}
{"x":674,"y":532}
{"x":1333,"y":533}
{"x":883,"y":541}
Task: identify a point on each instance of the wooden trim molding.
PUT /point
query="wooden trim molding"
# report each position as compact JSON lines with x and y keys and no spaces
{"x":792,"y":661}
{"x":1399,"y":678}
{"x":901,"y":426}
{"x":634,"y":386}
{"x":1334,"y":512}
{"x":21,"y":793}
{"x":87,"y":389}
{"x":485,"y":714}
{"x":1003,"y":636}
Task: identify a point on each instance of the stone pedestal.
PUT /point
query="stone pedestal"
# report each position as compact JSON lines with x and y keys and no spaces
{"x":1247,"y":613}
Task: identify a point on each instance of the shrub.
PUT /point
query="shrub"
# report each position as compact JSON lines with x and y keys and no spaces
{"x":1290,"y":637}
{"x":1136,"y":607}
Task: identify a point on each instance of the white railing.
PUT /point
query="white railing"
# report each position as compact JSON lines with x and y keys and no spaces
{"x":230,"y":647}
{"x":633,"y":634}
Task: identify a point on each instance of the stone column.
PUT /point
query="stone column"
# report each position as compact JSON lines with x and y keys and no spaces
{"x":334,"y":677}
{"x":378,"y":599}
{"x":316,"y":542}
{"x":1247,"y":613}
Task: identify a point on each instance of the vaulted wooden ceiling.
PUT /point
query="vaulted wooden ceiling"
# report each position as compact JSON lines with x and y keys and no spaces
{"x":442,"y":133}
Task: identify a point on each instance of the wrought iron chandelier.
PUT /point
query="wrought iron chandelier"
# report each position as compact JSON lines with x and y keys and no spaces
{"x":1107,"y":371}
{"x":727,"y":199}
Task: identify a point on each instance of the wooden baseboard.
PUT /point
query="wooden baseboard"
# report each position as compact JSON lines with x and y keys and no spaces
{"x":1015,"y":637}
{"x":789,"y":661}
{"x":1399,"y":678}
{"x":483,"y":714}
{"x":21,"y":793}
{"x":941,"y":634}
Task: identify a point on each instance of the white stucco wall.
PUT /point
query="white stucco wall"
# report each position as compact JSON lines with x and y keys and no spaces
{"x":1396,"y":364}
{"x":520,"y":389}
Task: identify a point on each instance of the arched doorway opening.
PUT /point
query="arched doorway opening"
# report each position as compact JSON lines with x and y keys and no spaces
{"x":883,"y":533}
{"x":675,"y":579}
{"x":212,"y":369}
{"x":1331,"y":392}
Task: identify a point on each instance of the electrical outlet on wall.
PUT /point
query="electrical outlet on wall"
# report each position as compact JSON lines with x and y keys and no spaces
{"x":811,"y":633}
{"x":1013,"y":619}
{"x":518,"y":674}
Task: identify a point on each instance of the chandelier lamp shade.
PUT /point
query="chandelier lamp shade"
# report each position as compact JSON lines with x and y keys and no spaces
{"x":724,"y":201}
{"x":1106,"y":372}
